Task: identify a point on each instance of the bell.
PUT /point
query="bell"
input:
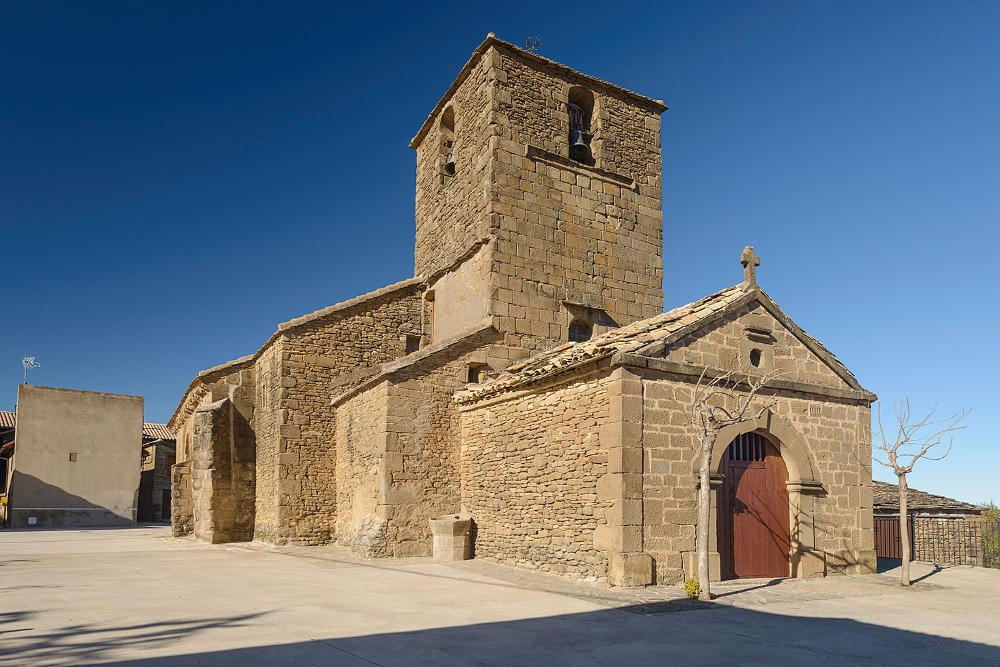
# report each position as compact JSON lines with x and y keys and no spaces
{"x":579,"y":149}
{"x":449,"y":163}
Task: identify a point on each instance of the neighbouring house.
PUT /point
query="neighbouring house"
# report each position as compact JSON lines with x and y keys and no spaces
{"x":8,"y":420}
{"x":527,"y":376}
{"x":159,"y":453}
{"x":74,"y":462}
{"x":942,"y":529}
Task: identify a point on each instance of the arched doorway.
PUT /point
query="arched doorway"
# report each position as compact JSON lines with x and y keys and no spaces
{"x":753,"y":523}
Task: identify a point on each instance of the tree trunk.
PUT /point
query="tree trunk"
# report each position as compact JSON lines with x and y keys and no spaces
{"x":904,"y":532}
{"x":704,"y":513}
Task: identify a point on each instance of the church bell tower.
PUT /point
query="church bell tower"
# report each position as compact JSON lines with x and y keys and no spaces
{"x":538,"y":201}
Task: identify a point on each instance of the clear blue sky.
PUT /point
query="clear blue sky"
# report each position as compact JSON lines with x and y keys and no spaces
{"x":177,"y":178}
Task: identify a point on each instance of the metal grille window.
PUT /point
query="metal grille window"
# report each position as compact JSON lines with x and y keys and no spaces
{"x":748,"y":447}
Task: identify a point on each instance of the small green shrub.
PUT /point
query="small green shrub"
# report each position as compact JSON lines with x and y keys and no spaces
{"x":692,"y":588}
{"x":991,"y":535}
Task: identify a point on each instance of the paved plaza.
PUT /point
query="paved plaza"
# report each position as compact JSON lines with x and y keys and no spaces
{"x":137,"y":596}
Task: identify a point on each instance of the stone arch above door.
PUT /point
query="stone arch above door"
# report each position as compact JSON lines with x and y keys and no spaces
{"x":804,"y":488}
{"x":790,"y":443}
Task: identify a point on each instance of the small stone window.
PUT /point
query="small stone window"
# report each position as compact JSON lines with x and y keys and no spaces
{"x":755,"y":357}
{"x":412,"y":343}
{"x":73,"y":457}
{"x":580,"y":106}
{"x":579,"y":331}
{"x":448,"y":141}
{"x":477,"y":373}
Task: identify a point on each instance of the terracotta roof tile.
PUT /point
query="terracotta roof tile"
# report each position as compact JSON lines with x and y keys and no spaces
{"x":156,"y":432}
{"x":8,"y":419}
{"x":629,"y":338}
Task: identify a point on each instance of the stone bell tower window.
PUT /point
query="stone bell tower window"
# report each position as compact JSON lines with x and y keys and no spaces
{"x":580,"y":106}
{"x":448,"y":141}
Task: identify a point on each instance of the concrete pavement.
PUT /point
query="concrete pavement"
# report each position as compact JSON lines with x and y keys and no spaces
{"x":136,"y":596}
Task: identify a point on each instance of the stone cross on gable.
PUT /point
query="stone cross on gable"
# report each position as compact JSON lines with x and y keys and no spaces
{"x":750,"y":262}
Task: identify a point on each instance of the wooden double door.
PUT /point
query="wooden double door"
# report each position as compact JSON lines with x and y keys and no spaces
{"x":753,"y":510}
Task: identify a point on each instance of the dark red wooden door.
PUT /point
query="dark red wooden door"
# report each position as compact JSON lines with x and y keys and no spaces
{"x":888,"y":541}
{"x":753,"y":514}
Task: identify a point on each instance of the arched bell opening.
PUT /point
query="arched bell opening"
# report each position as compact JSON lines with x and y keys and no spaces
{"x":753,"y":518}
{"x":580,"y":106}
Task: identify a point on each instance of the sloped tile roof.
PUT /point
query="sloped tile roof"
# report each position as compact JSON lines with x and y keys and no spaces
{"x":638,"y":336}
{"x":885,"y":497}
{"x":156,"y":432}
{"x":149,"y":431}
{"x":629,"y":338}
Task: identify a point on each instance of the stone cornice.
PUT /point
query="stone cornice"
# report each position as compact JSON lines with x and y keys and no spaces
{"x":806,"y":487}
{"x":691,"y":373}
{"x":595,"y":173}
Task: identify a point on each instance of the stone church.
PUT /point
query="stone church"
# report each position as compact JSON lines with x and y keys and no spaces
{"x":527,"y":376}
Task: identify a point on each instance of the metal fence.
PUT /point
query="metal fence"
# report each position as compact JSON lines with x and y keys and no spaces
{"x":945,"y":540}
{"x":957,"y":541}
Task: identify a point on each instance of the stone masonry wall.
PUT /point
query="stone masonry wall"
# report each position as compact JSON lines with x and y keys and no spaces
{"x":361,"y":445}
{"x":451,"y":210}
{"x":726,"y":345}
{"x":836,"y":433}
{"x":267,"y":367}
{"x":530,"y":468}
{"x":315,"y":356}
{"x":422,"y":466}
{"x":181,"y":503}
{"x":566,"y":231}
{"x":223,"y":463}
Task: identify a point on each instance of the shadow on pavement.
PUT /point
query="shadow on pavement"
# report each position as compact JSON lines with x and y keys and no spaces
{"x":700,"y":634}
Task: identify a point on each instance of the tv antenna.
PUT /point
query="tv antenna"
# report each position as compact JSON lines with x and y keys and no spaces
{"x":29,"y":362}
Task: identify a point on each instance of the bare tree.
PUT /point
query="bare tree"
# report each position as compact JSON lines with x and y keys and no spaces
{"x":719,"y":402}
{"x":913,"y":441}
